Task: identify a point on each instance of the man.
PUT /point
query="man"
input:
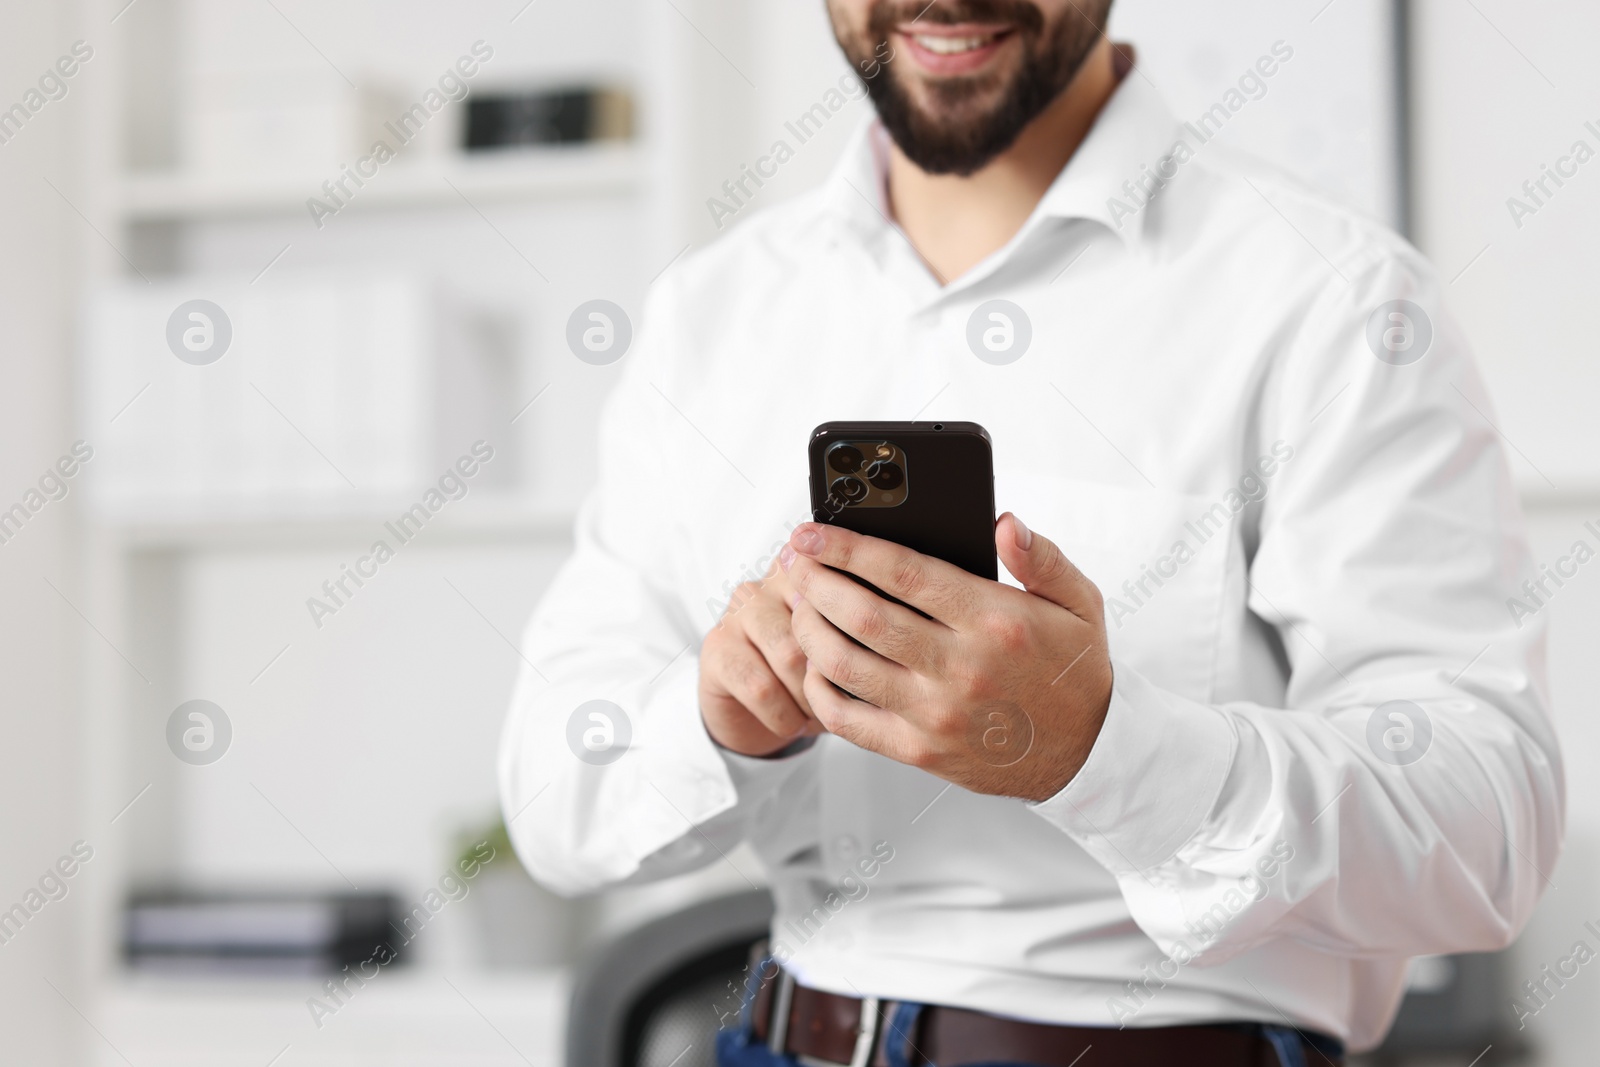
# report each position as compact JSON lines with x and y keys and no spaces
{"x":1251,"y":726}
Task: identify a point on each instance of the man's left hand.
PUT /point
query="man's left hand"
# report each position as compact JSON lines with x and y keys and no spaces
{"x":999,"y":690}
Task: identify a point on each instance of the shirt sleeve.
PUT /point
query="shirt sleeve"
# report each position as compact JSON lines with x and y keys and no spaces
{"x":642,"y":792}
{"x":1408,"y":797}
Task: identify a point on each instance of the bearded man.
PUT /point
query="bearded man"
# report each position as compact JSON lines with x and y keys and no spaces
{"x":1271,"y":730}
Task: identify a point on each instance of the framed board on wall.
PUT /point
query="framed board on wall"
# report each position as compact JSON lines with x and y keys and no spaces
{"x":1332,"y":112}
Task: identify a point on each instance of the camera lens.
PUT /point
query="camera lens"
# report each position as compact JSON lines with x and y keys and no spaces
{"x":846,"y":459}
{"x":850,"y":489}
{"x":885,"y":475}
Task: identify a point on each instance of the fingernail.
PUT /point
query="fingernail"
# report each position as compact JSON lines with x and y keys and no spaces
{"x":785,"y":557}
{"x":1023,"y":535}
{"x":807,"y":540}
{"x":794,"y":601}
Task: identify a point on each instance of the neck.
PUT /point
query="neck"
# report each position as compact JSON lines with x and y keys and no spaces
{"x":956,"y":222}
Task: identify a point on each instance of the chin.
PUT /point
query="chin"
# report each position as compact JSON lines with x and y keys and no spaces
{"x":950,"y":105}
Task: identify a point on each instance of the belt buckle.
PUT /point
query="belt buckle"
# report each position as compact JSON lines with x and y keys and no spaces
{"x":778,"y":1016}
{"x":866,"y":1035}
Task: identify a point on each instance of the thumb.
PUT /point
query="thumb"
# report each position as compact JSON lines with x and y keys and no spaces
{"x":1044,"y":570}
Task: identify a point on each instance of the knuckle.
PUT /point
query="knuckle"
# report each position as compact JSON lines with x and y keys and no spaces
{"x":828,"y":717}
{"x":842,"y":670}
{"x":1007,"y":631}
{"x":804,"y":640}
{"x":908,"y":577}
{"x":969,"y":679}
{"x":743,"y":672}
{"x":800,"y":576}
{"x":947,"y":724}
{"x":849,"y":730}
{"x":1056,"y":566}
{"x":1012,"y":634}
{"x":791,"y":657}
{"x":869,"y":623}
{"x":776,"y":632}
{"x":762,"y":687}
{"x":840,"y":549}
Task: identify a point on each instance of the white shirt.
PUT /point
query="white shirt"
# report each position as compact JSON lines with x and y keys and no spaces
{"x":1246,"y":840}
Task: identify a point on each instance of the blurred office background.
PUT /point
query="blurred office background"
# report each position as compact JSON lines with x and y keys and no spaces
{"x":367,"y":348}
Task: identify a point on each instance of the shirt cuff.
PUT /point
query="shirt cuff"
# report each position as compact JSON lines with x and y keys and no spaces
{"x":699,"y":778}
{"x":1152,"y":778}
{"x":756,"y":777}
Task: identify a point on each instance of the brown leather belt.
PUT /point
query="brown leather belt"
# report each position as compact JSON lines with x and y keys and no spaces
{"x":830,"y":1028}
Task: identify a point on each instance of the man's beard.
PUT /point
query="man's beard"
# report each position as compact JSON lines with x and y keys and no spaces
{"x":948,"y":133}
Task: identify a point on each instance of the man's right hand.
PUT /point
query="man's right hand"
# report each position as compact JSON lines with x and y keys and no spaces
{"x":752,"y":672}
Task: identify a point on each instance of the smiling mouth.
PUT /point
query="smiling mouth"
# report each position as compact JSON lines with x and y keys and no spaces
{"x":950,"y":46}
{"x":947,"y":50}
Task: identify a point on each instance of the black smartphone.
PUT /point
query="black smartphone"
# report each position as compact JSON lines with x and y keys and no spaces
{"x":926,"y":485}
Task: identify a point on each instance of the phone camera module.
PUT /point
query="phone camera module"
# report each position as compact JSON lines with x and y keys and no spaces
{"x":845,"y":458}
{"x":885,"y":475}
{"x":865,"y":474}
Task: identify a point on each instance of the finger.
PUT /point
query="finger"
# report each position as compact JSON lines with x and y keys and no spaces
{"x":893,"y":631}
{"x":858,"y":722}
{"x":1045,"y":571}
{"x":768,"y":628}
{"x":751,"y":681}
{"x":857,"y":670}
{"x":776,"y":579}
{"x":939,"y":589}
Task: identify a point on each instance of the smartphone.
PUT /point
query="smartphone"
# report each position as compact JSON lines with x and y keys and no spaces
{"x":926,"y":485}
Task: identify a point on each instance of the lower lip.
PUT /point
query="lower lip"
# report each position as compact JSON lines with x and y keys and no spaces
{"x":957,"y":63}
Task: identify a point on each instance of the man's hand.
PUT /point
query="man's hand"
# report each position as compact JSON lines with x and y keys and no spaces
{"x":999,"y":691}
{"x":752,"y":672}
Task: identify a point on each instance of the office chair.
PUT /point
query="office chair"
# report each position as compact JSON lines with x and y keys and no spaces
{"x":1462,"y":1014}
{"x":657,"y":995}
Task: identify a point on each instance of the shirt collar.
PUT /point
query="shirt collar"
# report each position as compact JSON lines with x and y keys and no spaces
{"x":1102,"y":180}
{"x":1133,"y":132}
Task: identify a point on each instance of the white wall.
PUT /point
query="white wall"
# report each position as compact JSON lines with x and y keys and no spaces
{"x":40,"y":636}
{"x":1488,"y":119}
{"x":1327,"y":115}
{"x":1504,"y":88}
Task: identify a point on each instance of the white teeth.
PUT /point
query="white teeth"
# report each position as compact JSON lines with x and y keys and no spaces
{"x":949,"y":46}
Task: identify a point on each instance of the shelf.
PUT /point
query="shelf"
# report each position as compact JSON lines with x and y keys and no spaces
{"x":533,"y":174}
{"x":412,"y":1018}
{"x":487,"y":519}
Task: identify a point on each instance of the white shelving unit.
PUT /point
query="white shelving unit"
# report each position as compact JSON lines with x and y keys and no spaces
{"x":428,"y":1013}
{"x":532,"y":175}
{"x":619,"y":212}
